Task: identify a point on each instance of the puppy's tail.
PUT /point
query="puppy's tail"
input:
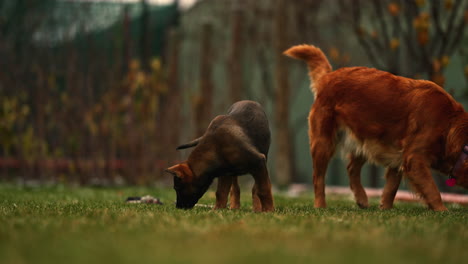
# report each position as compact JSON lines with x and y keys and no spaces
{"x":192,"y":143}
{"x":317,"y":62}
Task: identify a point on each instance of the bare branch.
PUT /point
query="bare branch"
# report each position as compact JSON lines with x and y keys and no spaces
{"x":458,"y":32}
{"x":356,"y":7}
{"x":435,"y":7}
{"x":450,"y":26}
{"x":383,"y":26}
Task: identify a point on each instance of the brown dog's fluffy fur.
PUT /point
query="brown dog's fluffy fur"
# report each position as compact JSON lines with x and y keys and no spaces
{"x":408,"y":126}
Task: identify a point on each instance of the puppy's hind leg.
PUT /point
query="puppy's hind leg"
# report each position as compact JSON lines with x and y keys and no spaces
{"x":261,"y":192}
{"x":322,"y":136}
{"x":256,"y":204}
{"x":354,"y":173}
{"x":222,"y":192}
{"x":235,"y":194}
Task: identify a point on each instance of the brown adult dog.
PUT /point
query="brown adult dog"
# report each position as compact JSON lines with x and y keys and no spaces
{"x":409,"y":126}
{"x":233,"y":144}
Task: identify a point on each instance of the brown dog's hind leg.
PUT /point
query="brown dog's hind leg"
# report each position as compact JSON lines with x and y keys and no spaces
{"x":322,"y":134}
{"x":393,"y":177}
{"x":354,"y":173}
{"x":261,"y":192}
{"x":235,"y":194}
{"x":222,"y":192}
{"x":418,"y":173}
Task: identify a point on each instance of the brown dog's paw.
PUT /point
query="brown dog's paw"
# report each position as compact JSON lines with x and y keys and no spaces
{"x":439,"y":208}
{"x":363,"y":205}
{"x":385,"y":206}
{"x":320,"y":204}
{"x":218,"y":207}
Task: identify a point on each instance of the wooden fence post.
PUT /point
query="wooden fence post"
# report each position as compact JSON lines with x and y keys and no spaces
{"x":171,"y":112}
{"x":204,"y":101}
{"x":235,"y":55}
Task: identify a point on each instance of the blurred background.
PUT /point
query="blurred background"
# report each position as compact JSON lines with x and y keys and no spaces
{"x":101,"y":92}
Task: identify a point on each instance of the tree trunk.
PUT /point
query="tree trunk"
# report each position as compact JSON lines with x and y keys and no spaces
{"x":283,"y":164}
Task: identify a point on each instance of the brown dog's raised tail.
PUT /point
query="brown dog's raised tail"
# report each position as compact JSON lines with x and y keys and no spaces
{"x":192,"y":143}
{"x":316,"y":61}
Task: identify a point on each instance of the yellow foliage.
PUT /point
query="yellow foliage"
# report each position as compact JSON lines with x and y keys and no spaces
{"x":156,"y":64}
{"x":423,"y":37}
{"x":197,"y":100}
{"x":438,"y":78}
{"x":140,"y":78}
{"x":393,"y":9}
{"x":334,"y":53}
{"x":51,"y":82}
{"x":126,"y":101}
{"x":421,"y":22}
{"x":448,"y":4}
{"x":444,"y":60}
{"x":31,"y":146}
{"x":48,"y":108}
{"x":420,"y":3}
{"x":64,"y":98}
{"x":337,"y":57}
{"x":162,"y":88}
{"x":25,"y":110}
{"x":134,"y":65}
{"x":361,"y":31}
{"x":93,"y":128}
{"x":345,"y":58}
{"x":394,"y":43}
{"x":436,"y":65}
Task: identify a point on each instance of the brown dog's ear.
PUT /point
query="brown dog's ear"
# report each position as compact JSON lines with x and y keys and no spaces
{"x":181,"y":170}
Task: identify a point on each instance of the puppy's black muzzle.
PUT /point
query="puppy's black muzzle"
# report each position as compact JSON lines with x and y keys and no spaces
{"x":185,"y":205}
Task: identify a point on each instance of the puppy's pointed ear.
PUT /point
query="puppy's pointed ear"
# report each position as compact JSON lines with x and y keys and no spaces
{"x":181,"y":170}
{"x":175,"y":171}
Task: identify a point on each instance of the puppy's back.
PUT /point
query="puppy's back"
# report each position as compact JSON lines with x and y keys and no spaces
{"x":252,"y":119}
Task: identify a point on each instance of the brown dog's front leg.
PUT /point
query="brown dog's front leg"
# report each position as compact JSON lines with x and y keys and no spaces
{"x":393,"y":177}
{"x":222,"y":192}
{"x":262,"y":190}
{"x":354,"y":173}
{"x":419,"y":174}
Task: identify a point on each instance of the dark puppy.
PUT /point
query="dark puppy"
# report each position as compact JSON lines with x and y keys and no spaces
{"x":233,"y":144}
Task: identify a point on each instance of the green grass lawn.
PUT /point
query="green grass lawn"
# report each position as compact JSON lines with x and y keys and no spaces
{"x":85,"y":225}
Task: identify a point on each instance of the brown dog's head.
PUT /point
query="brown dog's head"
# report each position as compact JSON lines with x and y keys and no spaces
{"x":189,"y":189}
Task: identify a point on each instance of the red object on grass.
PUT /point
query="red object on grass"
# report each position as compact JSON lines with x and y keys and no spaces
{"x":451,"y":182}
